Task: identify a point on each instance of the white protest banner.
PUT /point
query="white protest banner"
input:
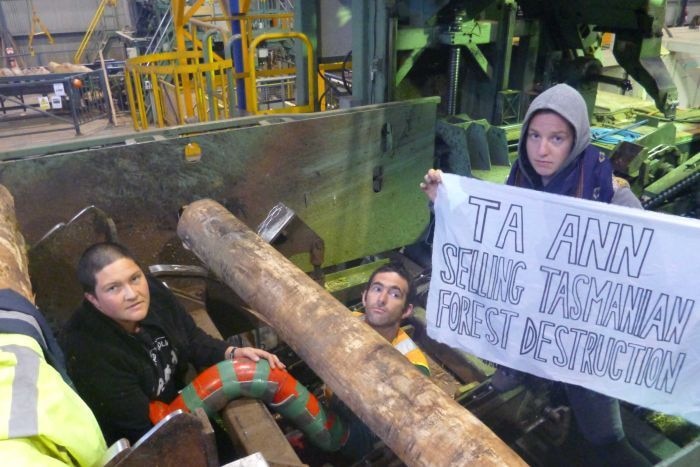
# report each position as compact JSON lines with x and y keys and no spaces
{"x":578,"y":291}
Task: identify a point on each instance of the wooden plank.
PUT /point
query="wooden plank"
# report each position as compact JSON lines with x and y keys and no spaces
{"x":466,"y":367}
{"x":438,"y":375}
{"x":202,"y":319}
{"x":248,"y":421}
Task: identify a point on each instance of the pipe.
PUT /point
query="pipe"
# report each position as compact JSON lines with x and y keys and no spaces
{"x":206,"y":25}
{"x":216,"y":386}
{"x":228,"y":55}
{"x":206,"y":46}
{"x":416,"y":419}
{"x":239,"y":8}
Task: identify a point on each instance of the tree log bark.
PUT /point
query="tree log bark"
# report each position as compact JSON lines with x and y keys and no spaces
{"x":14,"y":267}
{"x":417,"y":420}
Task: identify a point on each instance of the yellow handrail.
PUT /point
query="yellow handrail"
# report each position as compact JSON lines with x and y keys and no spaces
{"x":252,"y":91}
{"x":194,"y":94}
{"x":91,"y":29}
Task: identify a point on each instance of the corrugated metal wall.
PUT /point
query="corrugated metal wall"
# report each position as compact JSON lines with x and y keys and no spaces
{"x":66,"y":21}
{"x":59,"y":16}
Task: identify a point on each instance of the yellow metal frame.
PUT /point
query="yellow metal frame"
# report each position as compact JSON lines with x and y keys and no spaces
{"x":36,"y":21}
{"x":188,"y":74}
{"x":252,"y":90}
{"x":198,"y":45}
{"x":182,"y":16}
{"x":199,"y":87}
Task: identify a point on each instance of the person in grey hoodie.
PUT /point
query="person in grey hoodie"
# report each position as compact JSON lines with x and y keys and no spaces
{"x":555,"y":155}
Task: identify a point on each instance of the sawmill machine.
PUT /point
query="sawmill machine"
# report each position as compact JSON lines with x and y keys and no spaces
{"x":337,"y":191}
{"x":487,"y":58}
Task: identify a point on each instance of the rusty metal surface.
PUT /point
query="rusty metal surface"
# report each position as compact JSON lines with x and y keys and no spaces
{"x":347,"y":177}
{"x":184,"y":440}
{"x":53,"y":263}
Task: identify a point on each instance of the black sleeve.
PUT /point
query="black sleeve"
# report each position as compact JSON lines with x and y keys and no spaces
{"x":202,"y":349}
{"x":205,"y":350}
{"x":113,"y":392}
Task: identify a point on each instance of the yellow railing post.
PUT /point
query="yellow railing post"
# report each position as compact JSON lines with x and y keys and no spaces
{"x":253,"y":98}
{"x":157,"y":101}
{"x":132,"y":99}
{"x":193,"y":103}
{"x":91,"y":29}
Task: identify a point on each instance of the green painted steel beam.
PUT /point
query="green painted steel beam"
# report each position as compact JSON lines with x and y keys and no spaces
{"x":351,"y":277}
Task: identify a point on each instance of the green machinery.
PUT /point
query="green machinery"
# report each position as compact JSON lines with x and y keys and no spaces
{"x":487,"y":59}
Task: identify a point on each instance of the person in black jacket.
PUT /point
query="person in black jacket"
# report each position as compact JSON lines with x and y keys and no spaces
{"x":131,"y":341}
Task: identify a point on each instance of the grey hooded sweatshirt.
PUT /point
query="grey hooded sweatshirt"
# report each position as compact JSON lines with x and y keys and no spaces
{"x":570,"y":105}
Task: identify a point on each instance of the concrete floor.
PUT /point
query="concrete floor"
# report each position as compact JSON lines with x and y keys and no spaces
{"x":22,"y":130}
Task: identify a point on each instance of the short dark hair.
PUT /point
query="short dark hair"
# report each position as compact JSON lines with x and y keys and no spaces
{"x":95,"y":258}
{"x":398,"y":268}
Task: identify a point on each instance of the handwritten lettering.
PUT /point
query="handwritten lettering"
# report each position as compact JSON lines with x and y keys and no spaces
{"x":622,"y":249}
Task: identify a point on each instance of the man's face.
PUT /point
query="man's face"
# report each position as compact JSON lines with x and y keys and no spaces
{"x":385,"y":300}
{"x":549,"y":142}
{"x":121,"y":292}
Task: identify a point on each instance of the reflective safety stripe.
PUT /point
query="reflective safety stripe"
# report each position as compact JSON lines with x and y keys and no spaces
{"x":405,"y":346}
{"x":24,"y":419}
{"x":411,"y":351}
{"x":29,"y":319}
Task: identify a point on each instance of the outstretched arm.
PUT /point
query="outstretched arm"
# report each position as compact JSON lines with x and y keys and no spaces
{"x":430,"y":183}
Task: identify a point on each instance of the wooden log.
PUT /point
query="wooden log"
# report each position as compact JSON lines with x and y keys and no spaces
{"x":416,"y":419}
{"x":14,"y":267}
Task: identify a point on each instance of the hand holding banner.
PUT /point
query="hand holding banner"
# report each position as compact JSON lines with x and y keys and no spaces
{"x":572,"y":290}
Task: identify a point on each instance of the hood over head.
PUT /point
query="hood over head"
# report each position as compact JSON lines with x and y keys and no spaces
{"x":570,"y":105}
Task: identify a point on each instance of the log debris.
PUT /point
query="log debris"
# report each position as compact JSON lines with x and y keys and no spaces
{"x":14,"y":267}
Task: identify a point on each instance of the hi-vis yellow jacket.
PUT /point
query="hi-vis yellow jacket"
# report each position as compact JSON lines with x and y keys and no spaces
{"x":43,"y":422}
